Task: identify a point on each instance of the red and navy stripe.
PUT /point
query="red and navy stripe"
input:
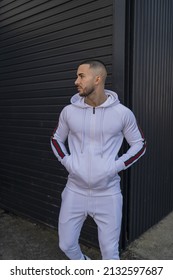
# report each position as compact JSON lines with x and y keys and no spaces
{"x":58,"y":148}
{"x":135,"y":157}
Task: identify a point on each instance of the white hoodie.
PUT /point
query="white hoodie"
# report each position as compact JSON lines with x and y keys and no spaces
{"x":95,"y":136}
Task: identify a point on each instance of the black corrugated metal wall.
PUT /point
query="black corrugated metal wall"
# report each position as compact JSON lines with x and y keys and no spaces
{"x":151,"y":98}
{"x":41,"y":45}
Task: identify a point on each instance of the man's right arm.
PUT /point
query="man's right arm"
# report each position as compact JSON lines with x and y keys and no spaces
{"x":59,"y":137}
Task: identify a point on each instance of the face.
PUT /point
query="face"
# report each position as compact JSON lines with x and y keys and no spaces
{"x":86,"y":80}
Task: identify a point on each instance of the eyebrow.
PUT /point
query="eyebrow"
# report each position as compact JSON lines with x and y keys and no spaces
{"x":80,"y":74}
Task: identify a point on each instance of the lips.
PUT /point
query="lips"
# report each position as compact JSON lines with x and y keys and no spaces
{"x":79,"y":88}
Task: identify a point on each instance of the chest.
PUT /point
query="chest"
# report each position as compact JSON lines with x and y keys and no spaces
{"x":93,"y":121}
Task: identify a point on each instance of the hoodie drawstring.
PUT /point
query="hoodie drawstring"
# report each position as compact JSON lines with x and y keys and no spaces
{"x":101,"y":130}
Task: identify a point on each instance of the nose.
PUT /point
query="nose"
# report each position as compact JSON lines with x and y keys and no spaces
{"x":76,"y":82}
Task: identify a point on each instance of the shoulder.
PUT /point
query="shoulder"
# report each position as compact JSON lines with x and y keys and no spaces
{"x":68,"y":112}
{"x":126,"y":115}
{"x":123,"y":110}
{"x":66,"y":109}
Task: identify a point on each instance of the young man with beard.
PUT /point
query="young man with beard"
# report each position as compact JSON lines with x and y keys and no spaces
{"x":95,"y":124}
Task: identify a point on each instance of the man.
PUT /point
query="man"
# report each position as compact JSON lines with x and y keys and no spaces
{"x":95,"y":124}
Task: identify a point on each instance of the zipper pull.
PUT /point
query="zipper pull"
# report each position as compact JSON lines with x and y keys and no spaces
{"x":93,"y":110}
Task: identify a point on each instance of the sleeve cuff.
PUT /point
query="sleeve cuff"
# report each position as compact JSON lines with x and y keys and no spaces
{"x":119,"y":165}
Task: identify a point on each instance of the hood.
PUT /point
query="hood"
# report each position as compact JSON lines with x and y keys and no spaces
{"x":113,"y":100}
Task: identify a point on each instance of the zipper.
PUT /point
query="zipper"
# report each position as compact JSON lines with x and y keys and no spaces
{"x":92,"y":136}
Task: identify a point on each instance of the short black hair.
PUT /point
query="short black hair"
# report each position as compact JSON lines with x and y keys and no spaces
{"x":94,"y":63}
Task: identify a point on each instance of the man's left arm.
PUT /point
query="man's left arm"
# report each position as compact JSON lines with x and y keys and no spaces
{"x":135,"y":138}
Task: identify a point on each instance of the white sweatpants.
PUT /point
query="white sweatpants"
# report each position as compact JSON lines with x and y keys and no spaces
{"x":107,"y":214}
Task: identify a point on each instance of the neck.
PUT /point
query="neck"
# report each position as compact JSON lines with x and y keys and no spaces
{"x":96,"y":100}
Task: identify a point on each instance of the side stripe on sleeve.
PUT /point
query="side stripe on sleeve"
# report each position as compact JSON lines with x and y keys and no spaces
{"x":58,"y":148}
{"x":135,"y":157}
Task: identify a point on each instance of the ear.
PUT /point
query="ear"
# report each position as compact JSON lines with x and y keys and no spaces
{"x":97,"y":80}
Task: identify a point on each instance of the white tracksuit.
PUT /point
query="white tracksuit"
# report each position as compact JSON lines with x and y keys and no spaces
{"x":95,"y":136}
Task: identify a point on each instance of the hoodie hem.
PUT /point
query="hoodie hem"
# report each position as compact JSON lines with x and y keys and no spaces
{"x":95,"y":191}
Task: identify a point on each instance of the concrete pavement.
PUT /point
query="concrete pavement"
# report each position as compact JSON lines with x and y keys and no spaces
{"x":154,"y":244}
{"x":21,"y":239}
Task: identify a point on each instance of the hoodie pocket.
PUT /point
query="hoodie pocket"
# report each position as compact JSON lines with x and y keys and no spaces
{"x":103,"y":172}
{"x":67,"y":162}
{"x":112,"y":170}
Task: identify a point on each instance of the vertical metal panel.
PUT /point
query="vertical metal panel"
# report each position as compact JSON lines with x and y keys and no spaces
{"x":119,"y":29}
{"x":120,"y":86}
{"x":151,"y":192}
{"x":41,"y":45}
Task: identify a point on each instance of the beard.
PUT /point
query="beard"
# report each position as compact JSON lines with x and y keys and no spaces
{"x":86,"y":92}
